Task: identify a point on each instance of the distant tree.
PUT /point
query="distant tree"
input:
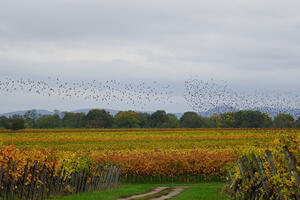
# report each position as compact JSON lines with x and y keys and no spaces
{"x":214,"y":121}
{"x":251,"y":119}
{"x":98,"y":119}
{"x":158,"y":118}
{"x":284,"y":120}
{"x":144,"y":119}
{"x":73,"y":120}
{"x":58,"y":112}
{"x":172,"y":122}
{"x":17,"y":122}
{"x":191,"y":120}
{"x":127,"y":119}
{"x":268,"y":122}
{"x":30,"y":118}
{"x":297,"y":124}
{"x":227,"y":120}
{"x":5,"y":122}
{"x":49,"y":121}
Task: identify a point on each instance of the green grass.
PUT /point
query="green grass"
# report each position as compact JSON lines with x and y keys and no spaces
{"x":200,"y":191}
{"x":209,"y":191}
{"x":110,"y":194}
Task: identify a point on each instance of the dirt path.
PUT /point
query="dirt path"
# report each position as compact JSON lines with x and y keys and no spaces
{"x":174,"y":192}
{"x":156,"y":190}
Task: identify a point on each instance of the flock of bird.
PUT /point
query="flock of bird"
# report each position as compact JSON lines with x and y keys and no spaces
{"x":202,"y":96}
{"x":134,"y":94}
{"x":218,"y":97}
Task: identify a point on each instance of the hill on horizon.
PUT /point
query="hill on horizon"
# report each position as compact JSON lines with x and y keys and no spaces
{"x":221,"y":109}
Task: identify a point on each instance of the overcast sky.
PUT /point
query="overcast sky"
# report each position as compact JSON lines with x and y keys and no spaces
{"x":249,"y":43}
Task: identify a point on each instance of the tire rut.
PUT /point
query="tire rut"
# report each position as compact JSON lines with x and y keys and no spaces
{"x":154,"y":191}
{"x":174,"y":192}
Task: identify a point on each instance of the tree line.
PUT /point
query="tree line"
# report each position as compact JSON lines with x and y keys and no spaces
{"x":160,"y":119}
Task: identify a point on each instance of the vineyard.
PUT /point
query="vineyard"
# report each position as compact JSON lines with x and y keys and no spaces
{"x":144,"y":155}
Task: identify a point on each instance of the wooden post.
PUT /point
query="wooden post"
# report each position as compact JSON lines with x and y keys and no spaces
{"x":51,"y":181}
{"x":1,"y":177}
{"x":81,"y":187}
{"x":292,"y":167}
{"x":117,"y":176}
{"x":57,"y":185}
{"x":24,"y":181}
{"x":6,"y":181}
{"x":111,"y":174}
{"x":79,"y":182}
{"x":76,"y":181}
{"x":230,"y":175}
{"x":241,"y":167}
{"x":12,"y":185}
{"x":249,"y":167}
{"x":271,"y":162}
{"x":260,"y":172}
{"x":42,"y":183}
{"x":35,"y":179}
{"x":101,"y":179}
{"x":93,"y":179}
{"x":61,"y":184}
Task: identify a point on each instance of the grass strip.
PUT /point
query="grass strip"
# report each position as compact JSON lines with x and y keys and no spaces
{"x":199,"y":191}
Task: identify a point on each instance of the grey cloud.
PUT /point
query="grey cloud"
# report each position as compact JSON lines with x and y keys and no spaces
{"x":169,"y":40}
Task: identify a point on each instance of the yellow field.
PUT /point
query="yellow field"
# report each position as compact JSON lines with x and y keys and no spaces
{"x":148,"y":152}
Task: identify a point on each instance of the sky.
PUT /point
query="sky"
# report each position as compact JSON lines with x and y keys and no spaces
{"x":250,"y":44}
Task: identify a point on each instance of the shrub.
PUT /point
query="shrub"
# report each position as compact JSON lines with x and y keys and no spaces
{"x":270,"y":176}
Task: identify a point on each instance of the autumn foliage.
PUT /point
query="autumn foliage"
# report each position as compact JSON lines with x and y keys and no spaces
{"x":268,"y":175}
{"x":140,"y":152}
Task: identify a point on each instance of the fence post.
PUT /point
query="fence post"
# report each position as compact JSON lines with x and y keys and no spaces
{"x":57,"y":185}
{"x":241,"y":167}
{"x":101,"y":179}
{"x":249,"y":167}
{"x":51,"y":180}
{"x":260,"y":172}
{"x":271,"y":162}
{"x":117,"y":176}
{"x":93,"y":179}
{"x":6,"y":180}
{"x":1,"y":177}
{"x":44,"y":181}
{"x":61,"y":184}
{"x":35,"y":179}
{"x":82,"y":182}
{"x":12,"y":185}
{"x":79,"y":182}
{"x":24,"y":180}
{"x":292,"y":167}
